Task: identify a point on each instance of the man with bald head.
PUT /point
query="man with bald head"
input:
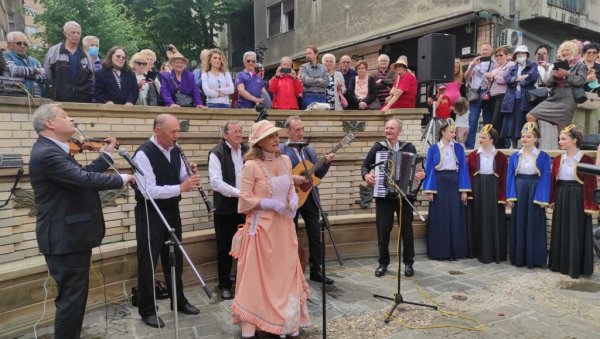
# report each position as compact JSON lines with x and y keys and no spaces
{"x":165,"y":177}
{"x":69,"y":69}
{"x":285,"y":86}
{"x":346,"y":69}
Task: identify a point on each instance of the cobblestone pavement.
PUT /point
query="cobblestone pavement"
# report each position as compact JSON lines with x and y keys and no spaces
{"x":506,"y":301}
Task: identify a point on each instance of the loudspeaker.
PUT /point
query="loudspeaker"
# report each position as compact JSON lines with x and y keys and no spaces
{"x":436,"y":58}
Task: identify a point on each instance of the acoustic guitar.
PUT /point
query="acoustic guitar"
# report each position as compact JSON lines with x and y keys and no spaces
{"x":303,"y":190}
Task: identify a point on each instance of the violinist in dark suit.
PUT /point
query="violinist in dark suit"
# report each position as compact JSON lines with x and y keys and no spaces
{"x":116,"y":82}
{"x":69,"y":215}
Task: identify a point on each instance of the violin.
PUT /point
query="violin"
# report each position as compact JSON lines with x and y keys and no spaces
{"x":77,"y":146}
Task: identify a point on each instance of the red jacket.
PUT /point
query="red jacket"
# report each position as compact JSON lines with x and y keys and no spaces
{"x":587,"y":180}
{"x":500,"y":167}
{"x":285,"y":92}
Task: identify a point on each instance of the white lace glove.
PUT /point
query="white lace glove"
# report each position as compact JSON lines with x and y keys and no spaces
{"x":272,"y":204}
{"x":293,"y":205}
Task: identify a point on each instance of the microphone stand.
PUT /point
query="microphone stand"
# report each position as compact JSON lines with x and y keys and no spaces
{"x":140,"y":180}
{"x":398,"y":299}
{"x":324,"y":225}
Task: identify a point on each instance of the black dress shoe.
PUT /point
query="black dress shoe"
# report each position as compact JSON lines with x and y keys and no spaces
{"x":380,"y":271}
{"x":226,"y":293}
{"x":153,"y":321}
{"x":316,"y":276}
{"x":408,"y":270}
{"x":188,"y":309}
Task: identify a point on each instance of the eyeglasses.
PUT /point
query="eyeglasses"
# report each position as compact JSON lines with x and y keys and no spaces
{"x":141,"y":63}
{"x":118,"y":56}
{"x":21,"y":43}
{"x":499,"y":55}
{"x":250,"y":61}
{"x":591,"y":52}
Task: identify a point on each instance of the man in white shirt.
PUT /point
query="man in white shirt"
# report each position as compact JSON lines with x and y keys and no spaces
{"x":225,"y":163}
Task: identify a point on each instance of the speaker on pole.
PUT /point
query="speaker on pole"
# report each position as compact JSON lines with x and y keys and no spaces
{"x":436,"y":58}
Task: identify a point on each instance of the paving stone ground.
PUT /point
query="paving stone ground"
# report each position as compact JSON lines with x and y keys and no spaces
{"x":494,"y":300}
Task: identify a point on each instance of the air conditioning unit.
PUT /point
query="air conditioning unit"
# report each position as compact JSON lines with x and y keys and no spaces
{"x":510,"y":37}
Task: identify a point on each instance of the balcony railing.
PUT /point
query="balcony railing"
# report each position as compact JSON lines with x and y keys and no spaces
{"x":575,"y":6}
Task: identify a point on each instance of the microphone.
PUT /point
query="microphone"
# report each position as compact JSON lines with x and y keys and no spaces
{"x":370,"y":167}
{"x":298,"y":144}
{"x":588,"y":169}
{"x":123,"y":153}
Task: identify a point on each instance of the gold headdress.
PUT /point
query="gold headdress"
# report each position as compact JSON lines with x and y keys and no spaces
{"x":569,"y":128}
{"x":530,"y":127}
{"x":486,"y":129}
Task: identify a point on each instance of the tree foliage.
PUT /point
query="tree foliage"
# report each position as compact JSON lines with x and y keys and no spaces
{"x":109,"y":20}
{"x":190,"y":25}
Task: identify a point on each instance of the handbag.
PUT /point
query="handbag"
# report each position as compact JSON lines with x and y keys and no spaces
{"x":579,"y":95}
{"x":181,"y":99}
{"x":592,"y":103}
{"x":472,"y":95}
{"x":537,"y":95}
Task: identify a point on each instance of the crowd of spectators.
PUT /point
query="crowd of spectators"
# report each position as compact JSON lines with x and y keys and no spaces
{"x":496,"y":82}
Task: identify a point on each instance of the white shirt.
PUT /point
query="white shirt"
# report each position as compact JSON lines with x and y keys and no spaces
{"x":216,"y":175}
{"x":527,"y":164}
{"x":65,"y":148}
{"x":568,"y":165}
{"x":158,"y":192}
{"x":448,"y":157}
{"x":486,"y":160}
{"x":211,"y":84}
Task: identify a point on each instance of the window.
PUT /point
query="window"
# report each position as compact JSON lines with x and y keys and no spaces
{"x":29,"y":30}
{"x":280,"y":17}
{"x":575,"y":6}
{"x":11,"y":22}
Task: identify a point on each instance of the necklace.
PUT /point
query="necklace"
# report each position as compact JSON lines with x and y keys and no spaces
{"x":268,"y":156}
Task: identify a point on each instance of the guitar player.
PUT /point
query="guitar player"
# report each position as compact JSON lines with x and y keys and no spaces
{"x":386,"y":207}
{"x":309,"y":210}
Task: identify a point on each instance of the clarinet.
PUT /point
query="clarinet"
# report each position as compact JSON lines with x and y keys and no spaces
{"x":188,"y":169}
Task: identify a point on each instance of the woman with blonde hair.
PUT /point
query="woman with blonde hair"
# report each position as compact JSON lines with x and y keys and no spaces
{"x":566,"y":76}
{"x":217,"y":83}
{"x":149,"y":88}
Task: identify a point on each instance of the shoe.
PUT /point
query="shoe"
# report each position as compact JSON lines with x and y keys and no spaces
{"x":408,"y":270}
{"x":153,"y":321}
{"x":226,"y":293}
{"x":380,"y":271}
{"x":316,"y":276}
{"x":188,"y":309}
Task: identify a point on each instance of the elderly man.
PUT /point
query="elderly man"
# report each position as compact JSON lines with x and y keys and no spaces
{"x":384,"y":78}
{"x":91,"y":45}
{"x":314,"y":77}
{"x":386,"y":207}
{"x":225,"y":162}
{"x":165,"y":179}
{"x":20,"y":65}
{"x":69,"y":69}
{"x":69,"y":214}
{"x":285,"y":86}
{"x":249,"y":83}
{"x":475,"y":75}
{"x":346,"y":70}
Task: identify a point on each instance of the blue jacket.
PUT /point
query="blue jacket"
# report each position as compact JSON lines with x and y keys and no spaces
{"x":511,"y":75}
{"x":542,"y":192}
{"x":434,"y":159}
{"x":309,"y":154}
{"x":106,"y":88}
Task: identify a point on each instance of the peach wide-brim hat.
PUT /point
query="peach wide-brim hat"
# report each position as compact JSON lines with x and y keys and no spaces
{"x":176,"y":56}
{"x":261,"y":130}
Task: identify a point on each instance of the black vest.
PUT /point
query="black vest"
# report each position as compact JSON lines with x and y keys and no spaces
{"x":223,"y":204}
{"x":166,"y":173}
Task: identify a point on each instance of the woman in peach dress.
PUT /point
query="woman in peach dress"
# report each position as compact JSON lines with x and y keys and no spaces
{"x":271,"y":291}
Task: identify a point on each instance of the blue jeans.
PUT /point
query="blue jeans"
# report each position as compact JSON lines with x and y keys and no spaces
{"x":218,"y":105}
{"x":308,"y":98}
{"x":475,"y":109}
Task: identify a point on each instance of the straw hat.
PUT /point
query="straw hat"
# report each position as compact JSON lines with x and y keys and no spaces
{"x":178,"y":55}
{"x":401,"y":61}
{"x":261,"y":130}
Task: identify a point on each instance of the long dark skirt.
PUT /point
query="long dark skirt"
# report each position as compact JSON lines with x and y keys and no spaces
{"x":513,"y":122}
{"x":571,"y":242}
{"x":446,"y":226}
{"x":528,"y":225}
{"x":486,"y":221}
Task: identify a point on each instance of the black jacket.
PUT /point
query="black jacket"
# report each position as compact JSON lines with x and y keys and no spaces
{"x":106,"y":88}
{"x":69,"y":214}
{"x":351,"y":96}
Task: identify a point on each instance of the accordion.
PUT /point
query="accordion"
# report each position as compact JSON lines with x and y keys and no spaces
{"x":397,"y":172}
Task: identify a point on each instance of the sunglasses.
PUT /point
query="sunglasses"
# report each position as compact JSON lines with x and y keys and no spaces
{"x":250,"y":61}
{"x":118,"y":56}
{"x":141,"y":63}
{"x":21,"y":43}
